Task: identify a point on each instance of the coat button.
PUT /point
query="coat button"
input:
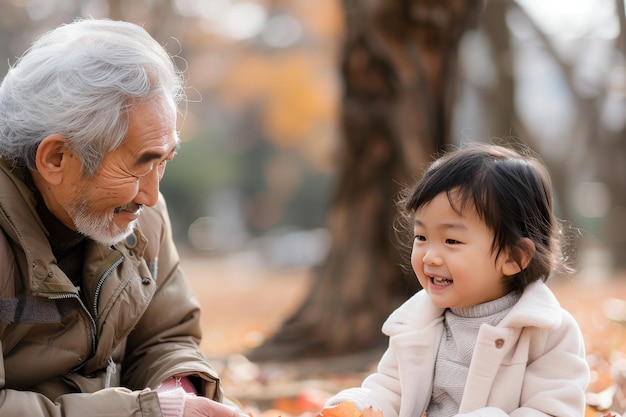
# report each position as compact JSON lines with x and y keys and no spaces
{"x":499,"y":343}
{"x":146,"y":281}
{"x":131,"y":241}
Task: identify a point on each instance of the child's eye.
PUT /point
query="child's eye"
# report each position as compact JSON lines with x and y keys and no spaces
{"x":452,"y":242}
{"x":420,"y":238}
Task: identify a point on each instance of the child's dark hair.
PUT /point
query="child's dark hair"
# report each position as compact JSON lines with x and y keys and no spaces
{"x":511,"y":192}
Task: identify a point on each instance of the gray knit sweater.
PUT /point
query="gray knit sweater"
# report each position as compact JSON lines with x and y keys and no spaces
{"x":461,"y":327}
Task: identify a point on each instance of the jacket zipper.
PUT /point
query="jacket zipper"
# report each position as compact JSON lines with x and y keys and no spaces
{"x":92,"y":318}
{"x":104,"y":276}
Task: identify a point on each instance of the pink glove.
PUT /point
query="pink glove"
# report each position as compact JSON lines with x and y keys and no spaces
{"x":177,"y":398}
{"x":172,"y":395}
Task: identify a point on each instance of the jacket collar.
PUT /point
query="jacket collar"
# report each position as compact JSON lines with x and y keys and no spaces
{"x":29,"y":237}
{"x":416,"y":313}
{"x":27,"y":234}
{"x":538,"y":307}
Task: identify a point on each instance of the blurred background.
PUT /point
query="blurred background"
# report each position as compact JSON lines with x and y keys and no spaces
{"x":304,"y":120}
{"x":260,"y":128}
{"x":271,"y":147}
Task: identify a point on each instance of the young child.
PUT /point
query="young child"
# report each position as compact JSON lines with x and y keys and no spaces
{"x":485,"y":337}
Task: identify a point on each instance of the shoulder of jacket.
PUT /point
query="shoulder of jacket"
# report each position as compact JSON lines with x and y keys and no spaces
{"x":537,"y":307}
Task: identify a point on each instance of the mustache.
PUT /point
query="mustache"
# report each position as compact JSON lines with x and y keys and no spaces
{"x":131,"y":207}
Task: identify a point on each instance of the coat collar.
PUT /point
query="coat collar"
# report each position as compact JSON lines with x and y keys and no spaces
{"x":537,"y":307}
{"x":416,"y":313}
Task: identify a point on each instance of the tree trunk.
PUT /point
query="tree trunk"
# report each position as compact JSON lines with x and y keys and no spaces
{"x":398,"y":60}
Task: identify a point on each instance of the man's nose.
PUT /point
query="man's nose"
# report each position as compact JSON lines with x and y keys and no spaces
{"x":148,"y":193}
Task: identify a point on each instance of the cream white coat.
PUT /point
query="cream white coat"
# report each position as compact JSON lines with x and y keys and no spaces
{"x":531,"y":364}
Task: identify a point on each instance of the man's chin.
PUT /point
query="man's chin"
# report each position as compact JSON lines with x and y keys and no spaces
{"x":111,"y":236}
{"x":116,"y":239}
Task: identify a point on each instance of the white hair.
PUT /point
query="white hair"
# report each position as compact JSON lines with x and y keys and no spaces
{"x":78,"y":81}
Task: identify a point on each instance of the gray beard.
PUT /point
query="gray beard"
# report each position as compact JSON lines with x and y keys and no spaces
{"x":101,"y":229}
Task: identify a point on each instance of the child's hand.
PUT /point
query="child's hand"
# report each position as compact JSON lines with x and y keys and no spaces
{"x":349,"y":409}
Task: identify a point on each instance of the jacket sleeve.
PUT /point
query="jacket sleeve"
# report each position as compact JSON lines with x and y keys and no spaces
{"x":165,"y":342}
{"x":107,"y":402}
{"x":380,"y":390}
{"x":555,"y":379}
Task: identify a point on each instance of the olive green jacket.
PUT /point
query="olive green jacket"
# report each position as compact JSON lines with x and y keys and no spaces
{"x":137,"y":311}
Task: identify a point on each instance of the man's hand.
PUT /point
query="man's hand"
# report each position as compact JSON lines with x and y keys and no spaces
{"x":204,"y":407}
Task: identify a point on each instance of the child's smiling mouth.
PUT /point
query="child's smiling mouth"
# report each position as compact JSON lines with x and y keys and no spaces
{"x":439,"y":281}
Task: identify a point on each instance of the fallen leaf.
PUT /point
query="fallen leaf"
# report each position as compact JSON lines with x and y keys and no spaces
{"x":349,"y":409}
{"x":370,"y":412}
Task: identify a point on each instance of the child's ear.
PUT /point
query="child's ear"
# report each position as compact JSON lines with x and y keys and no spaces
{"x":525,"y":251}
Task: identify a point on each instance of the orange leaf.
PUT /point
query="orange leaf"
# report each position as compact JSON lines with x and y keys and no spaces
{"x":370,"y":412}
{"x":345,"y":409}
{"x":349,"y":409}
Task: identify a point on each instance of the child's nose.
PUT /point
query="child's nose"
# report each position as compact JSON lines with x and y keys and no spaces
{"x":432,"y":257}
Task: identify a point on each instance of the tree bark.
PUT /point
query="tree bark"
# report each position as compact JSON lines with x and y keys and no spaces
{"x":398,"y":67}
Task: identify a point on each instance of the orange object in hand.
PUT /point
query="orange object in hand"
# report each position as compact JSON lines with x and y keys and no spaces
{"x":349,"y":409}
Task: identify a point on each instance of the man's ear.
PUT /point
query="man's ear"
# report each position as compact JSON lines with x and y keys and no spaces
{"x":49,"y":160}
{"x":525,"y":251}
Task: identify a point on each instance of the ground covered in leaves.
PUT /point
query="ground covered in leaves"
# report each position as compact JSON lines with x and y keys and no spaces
{"x":243,"y":303}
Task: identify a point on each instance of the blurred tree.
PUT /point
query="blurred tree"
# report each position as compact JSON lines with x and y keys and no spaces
{"x":398,"y":67}
{"x":400,"y":92}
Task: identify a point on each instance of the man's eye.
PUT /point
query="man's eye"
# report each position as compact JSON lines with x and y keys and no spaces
{"x":160,"y":166}
{"x":140,"y":175}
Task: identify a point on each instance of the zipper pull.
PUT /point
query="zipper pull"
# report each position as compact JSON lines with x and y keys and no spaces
{"x":111,"y":369}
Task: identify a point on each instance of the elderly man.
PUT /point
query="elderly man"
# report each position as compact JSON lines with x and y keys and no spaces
{"x":96,"y":315}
